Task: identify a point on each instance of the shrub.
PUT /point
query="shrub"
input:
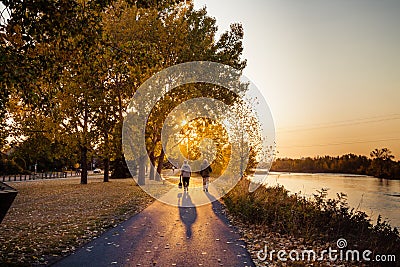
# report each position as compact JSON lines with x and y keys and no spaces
{"x":9,"y":167}
{"x":316,"y":218}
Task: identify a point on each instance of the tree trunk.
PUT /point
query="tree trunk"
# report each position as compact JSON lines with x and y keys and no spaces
{"x":160,"y":165}
{"x":120,"y":169}
{"x":84,"y":165}
{"x":106,"y":159}
{"x":142,"y":170}
{"x":84,"y":148}
{"x":152,"y":164}
{"x":106,"y":162}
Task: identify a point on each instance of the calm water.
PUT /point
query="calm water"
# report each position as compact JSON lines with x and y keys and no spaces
{"x":369,"y":194}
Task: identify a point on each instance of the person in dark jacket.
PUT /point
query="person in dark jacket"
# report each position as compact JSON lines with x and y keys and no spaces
{"x":205,"y":173}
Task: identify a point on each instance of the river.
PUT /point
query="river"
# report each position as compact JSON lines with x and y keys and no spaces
{"x":369,"y":194}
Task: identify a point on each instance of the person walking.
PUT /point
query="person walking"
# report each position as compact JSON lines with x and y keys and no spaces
{"x":205,"y":173}
{"x":186,"y":172}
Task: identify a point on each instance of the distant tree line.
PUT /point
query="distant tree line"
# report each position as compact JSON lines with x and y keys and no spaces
{"x":380,"y":164}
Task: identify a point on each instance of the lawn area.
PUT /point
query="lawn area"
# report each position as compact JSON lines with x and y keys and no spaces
{"x":51,"y":218}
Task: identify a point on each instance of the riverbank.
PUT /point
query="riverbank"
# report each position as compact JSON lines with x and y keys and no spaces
{"x":279,"y":220}
{"x":364,"y":193}
{"x":52,"y":218}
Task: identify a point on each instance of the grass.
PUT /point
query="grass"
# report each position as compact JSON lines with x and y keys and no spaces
{"x":50,"y":219}
{"x":273,"y":211}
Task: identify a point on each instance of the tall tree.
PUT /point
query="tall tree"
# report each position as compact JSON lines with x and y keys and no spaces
{"x":77,"y":64}
{"x":381,"y":161}
{"x":190,"y":36}
{"x":46,"y":42}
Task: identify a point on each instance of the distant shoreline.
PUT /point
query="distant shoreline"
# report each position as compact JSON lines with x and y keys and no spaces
{"x":348,"y":174}
{"x":274,"y":172}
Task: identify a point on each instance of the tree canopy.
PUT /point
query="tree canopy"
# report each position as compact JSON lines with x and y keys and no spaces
{"x":69,"y":69}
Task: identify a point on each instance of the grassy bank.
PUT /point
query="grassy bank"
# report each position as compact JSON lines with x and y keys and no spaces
{"x":51,"y":218}
{"x":270,"y":214}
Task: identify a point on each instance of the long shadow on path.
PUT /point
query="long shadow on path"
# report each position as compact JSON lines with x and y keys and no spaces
{"x":163,"y":235}
{"x":187,"y":212}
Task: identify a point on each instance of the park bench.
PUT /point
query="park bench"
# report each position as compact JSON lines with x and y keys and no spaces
{"x":7,"y":196}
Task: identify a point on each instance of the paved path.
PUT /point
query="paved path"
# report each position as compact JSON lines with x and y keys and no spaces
{"x":164,"y":235}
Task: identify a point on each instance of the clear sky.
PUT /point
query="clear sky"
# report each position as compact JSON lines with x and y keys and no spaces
{"x":329,"y":70}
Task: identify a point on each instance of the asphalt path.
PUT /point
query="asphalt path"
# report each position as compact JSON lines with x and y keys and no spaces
{"x":165,"y":235}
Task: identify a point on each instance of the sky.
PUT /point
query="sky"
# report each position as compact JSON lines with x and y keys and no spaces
{"x":329,"y":70}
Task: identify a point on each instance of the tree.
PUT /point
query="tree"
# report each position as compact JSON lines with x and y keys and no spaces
{"x":247,"y":137}
{"x":194,"y":32}
{"x":179,"y":35}
{"x":46,"y":154}
{"x":29,"y":36}
{"x":75,"y":65}
{"x":132,"y":59}
{"x":382,"y":154}
{"x":382,"y":160}
{"x":45,"y":43}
